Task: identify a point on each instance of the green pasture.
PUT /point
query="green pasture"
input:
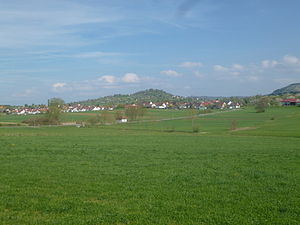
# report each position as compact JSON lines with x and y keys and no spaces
{"x":277,"y":121}
{"x":151,"y":114}
{"x":155,"y":172}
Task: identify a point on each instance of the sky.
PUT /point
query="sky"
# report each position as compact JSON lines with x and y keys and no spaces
{"x":84,"y":49}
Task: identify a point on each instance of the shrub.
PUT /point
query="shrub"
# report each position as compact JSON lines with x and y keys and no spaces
{"x":233,"y":125}
{"x":195,"y":129}
{"x":118,"y":115}
{"x":92,"y":121}
{"x":36,"y":121}
{"x":205,"y":111}
{"x":170,"y":129}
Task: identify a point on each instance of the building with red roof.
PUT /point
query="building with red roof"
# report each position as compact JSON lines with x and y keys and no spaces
{"x":290,"y":101}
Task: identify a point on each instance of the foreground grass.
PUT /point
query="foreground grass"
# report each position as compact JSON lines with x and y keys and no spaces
{"x":130,"y":175}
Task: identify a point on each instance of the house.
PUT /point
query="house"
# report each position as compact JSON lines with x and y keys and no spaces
{"x":290,"y":102}
{"x":162,"y":106}
{"x":122,"y":120}
{"x":96,"y":109}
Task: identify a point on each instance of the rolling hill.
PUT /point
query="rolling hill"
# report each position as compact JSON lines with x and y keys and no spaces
{"x":148,"y":95}
{"x":290,"y":89}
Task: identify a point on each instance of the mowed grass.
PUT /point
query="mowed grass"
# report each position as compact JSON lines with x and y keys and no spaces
{"x":140,"y":174}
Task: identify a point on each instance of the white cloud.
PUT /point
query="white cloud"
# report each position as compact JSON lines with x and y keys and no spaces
{"x":198,"y":74}
{"x":131,"y":78}
{"x":269,"y":69}
{"x":92,"y":85}
{"x":287,"y":64}
{"x":170,"y":73}
{"x":108,"y":79}
{"x":292,"y":60}
{"x":269,"y":64}
{"x":220,"y":68}
{"x":191,"y":64}
{"x":237,"y":67}
{"x":59,"y":85}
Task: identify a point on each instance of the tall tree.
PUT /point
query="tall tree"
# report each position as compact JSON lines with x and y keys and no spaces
{"x":134,"y":111}
{"x":261,"y":104}
{"x":55,"y":108}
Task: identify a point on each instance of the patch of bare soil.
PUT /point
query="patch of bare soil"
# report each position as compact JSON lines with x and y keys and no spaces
{"x":245,"y":128}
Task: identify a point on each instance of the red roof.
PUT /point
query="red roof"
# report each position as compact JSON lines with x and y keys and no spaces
{"x":291,"y":100}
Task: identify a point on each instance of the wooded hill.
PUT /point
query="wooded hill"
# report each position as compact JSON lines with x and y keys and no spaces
{"x":153,"y":95}
{"x":290,"y":89}
{"x":156,"y":95}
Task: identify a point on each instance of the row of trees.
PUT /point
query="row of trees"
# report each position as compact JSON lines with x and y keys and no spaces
{"x":56,"y":105}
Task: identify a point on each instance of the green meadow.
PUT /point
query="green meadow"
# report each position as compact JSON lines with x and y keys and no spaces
{"x":154,"y":172}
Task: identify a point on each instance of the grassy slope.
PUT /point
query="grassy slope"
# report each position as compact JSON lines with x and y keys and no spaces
{"x":136,"y":174}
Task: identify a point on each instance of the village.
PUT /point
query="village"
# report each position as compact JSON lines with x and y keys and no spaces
{"x":74,"y":108}
{"x":39,"y":109}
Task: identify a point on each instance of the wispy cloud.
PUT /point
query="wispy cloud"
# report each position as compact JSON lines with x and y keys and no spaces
{"x":269,"y":64}
{"x":170,"y":73}
{"x":49,"y":23}
{"x":26,"y":93}
{"x":219,"y":68}
{"x":105,"y":81}
{"x":186,"y":6}
{"x":98,"y":54}
{"x":287,"y":64}
{"x":191,"y":64}
{"x":279,"y":70}
{"x":198,"y":74}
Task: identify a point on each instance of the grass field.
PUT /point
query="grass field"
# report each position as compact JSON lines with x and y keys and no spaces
{"x":151,"y":114}
{"x":155,"y":172}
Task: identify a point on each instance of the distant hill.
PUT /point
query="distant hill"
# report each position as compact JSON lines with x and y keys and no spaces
{"x":153,"y":95}
{"x":290,"y":89}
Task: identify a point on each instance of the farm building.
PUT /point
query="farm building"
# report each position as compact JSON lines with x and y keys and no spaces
{"x":290,"y":102}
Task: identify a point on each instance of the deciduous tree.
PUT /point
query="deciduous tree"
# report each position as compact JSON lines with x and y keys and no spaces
{"x":55,"y":107}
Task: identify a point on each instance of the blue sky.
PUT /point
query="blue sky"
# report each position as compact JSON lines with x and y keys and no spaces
{"x":86,"y":49}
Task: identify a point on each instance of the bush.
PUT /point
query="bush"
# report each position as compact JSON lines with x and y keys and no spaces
{"x":170,"y":129}
{"x":205,"y":111}
{"x":233,"y":125}
{"x":119,"y":115}
{"x":36,"y":121}
{"x":195,"y":129}
{"x":94,"y":120}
